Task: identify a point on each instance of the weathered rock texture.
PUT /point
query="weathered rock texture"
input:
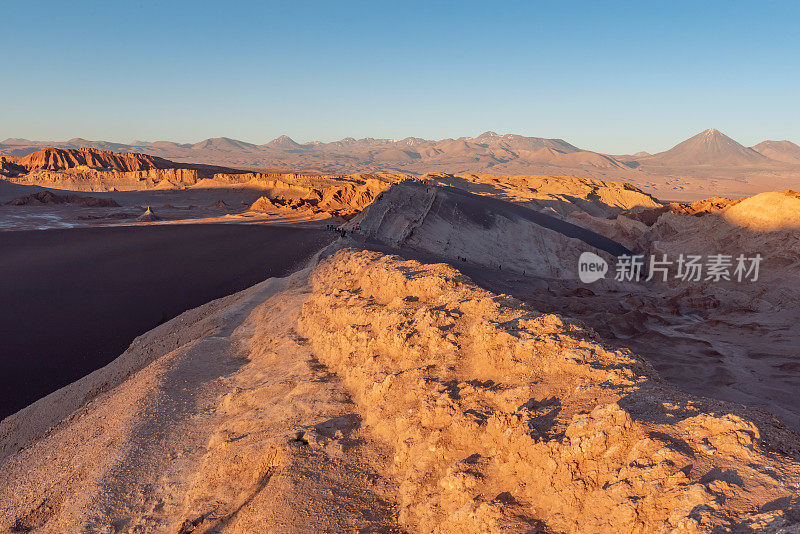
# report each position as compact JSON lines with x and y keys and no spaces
{"x":697,"y":208}
{"x":501,"y":418}
{"x":387,"y":395}
{"x":59,"y":159}
{"x":341,"y":197}
{"x":92,"y":180}
{"x":342,"y":194}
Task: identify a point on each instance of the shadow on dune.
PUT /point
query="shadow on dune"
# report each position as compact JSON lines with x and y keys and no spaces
{"x":73,"y":300}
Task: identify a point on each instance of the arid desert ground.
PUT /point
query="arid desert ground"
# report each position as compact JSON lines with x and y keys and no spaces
{"x":200,"y":340}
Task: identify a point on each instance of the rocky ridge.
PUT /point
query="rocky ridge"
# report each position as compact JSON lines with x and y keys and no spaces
{"x":375,"y":393}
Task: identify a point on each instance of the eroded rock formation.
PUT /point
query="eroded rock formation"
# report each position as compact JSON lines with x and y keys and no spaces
{"x":374,"y":393}
{"x":59,"y":159}
{"x":697,"y":208}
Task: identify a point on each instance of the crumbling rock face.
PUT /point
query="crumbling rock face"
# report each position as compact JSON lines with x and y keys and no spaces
{"x":767,"y":222}
{"x":88,"y":169}
{"x":91,"y":169}
{"x":732,"y":338}
{"x":219,"y":420}
{"x":343,"y":199}
{"x":504,"y":419}
{"x":764,"y":222}
{"x":93,"y":180}
{"x":384,"y":395}
{"x":281,"y":202}
{"x":59,"y":159}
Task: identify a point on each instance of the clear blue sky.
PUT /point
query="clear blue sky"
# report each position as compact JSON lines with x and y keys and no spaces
{"x":614,"y":77}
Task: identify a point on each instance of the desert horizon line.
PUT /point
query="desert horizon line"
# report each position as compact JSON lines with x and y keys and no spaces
{"x":287,"y":138}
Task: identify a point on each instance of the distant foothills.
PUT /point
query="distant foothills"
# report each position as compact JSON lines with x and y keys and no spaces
{"x":705,"y":164}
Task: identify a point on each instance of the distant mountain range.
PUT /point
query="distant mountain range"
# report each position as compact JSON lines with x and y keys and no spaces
{"x":708,"y":163}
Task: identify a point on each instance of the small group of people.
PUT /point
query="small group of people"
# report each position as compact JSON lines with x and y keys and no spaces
{"x":499,"y":266}
{"x":342,"y":232}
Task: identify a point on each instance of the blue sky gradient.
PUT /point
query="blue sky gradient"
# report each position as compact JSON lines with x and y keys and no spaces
{"x":615,"y":77}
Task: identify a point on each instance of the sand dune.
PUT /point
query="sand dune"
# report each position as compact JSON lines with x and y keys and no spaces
{"x":73,"y":299}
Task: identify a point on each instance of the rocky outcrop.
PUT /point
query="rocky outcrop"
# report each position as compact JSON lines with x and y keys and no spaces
{"x":220,"y":205}
{"x":59,"y":159}
{"x":698,"y":209}
{"x":266,"y":204}
{"x":93,"y":180}
{"x":345,"y":194}
{"x":719,"y":220}
{"x":376,"y":394}
{"x":767,"y":212}
{"x":88,"y":169}
{"x":148,"y":216}
{"x":499,"y":418}
{"x":343,"y":198}
{"x":10,"y":168}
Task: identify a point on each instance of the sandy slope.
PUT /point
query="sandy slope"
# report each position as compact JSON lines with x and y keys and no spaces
{"x":453,"y":224}
{"x":191,"y":424}
{"x":371,"y":393}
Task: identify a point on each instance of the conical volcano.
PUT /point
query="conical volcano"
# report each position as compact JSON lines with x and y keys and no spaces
{"x":710,"y":147}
